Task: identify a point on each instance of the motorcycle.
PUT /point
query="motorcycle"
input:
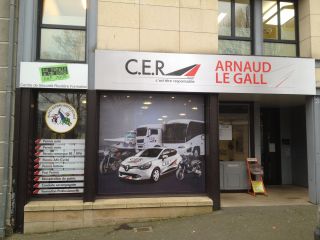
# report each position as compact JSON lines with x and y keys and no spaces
{"x":112,"y":159}
{"x":189,"y":164}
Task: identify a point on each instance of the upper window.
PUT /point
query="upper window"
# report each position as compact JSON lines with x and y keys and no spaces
{"x":234,"y":21}
{"x":279,"y":28}
{"x":62,"y":30}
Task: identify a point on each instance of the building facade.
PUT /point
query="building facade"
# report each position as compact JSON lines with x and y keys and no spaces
{"x":115,"y":111}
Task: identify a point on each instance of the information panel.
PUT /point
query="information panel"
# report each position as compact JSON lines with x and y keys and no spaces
{"x":58,"y":166}
{"x":53,"y":75}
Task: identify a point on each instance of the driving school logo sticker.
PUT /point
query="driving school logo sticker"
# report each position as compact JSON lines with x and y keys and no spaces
{"x":61,"y":117}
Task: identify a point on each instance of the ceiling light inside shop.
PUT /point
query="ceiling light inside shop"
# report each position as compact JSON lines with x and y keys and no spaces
{"x":221,"y":17}
{"x":164,"y":116}
{"x":84,"y":4}
{"x":150,"y":97}
{"x":128,"y":96}
{"x":84,"y":101}
{"x":147,"y":103}
{"x":189,"y":100}
{"x":160,"y":119}
{"x":144,"y":107}
{"x":105,"y":96}
{"x":182,"y":114}
{"x":194,"y":108}
{"x":173,"y":97}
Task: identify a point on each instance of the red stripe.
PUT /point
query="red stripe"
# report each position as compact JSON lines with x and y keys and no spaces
{"x":36,"y":191}
{"x":193,"y":71}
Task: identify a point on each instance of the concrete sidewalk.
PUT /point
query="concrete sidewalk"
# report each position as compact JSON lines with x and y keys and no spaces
{"x":256,"y":223}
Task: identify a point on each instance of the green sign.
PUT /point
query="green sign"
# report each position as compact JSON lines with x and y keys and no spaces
{"x":54,"y":73}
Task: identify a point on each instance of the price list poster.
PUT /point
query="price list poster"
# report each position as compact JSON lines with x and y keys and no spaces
{"x":58,"y":166}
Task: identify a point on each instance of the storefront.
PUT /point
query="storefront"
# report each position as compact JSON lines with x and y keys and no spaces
{"x":152,"y":126}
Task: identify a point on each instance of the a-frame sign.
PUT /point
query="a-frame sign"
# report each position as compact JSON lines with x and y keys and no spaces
{"x":255,"y":177}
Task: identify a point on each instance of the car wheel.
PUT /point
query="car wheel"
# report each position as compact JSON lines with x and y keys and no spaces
{"x":103,"y":167}
{"x":196,"y":153}
{"x":155,"y":175}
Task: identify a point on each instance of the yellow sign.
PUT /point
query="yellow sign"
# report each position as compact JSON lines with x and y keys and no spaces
{"x":257,"y":186}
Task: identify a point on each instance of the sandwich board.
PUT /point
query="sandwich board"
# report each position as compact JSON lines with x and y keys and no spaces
{"x":255,"y":177}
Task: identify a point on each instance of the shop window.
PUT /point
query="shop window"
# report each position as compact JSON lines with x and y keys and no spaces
{"x":62,"y":30}
{"x":234,"y":132}
{"x":234,"y":22}
{"x":280,"y":28}
{"x":58,"y":161}
{"x":167,"y":153}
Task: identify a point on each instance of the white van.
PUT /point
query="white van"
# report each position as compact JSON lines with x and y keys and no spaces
{"x":148,"y":136}
{"x":186,"y":136}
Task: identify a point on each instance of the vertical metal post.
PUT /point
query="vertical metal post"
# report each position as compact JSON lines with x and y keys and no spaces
{"x":92,"y":143}
{"x":25,"y":133}
{"x":258,"y":28}
{"x":317,"y":230}
{"x":212,"y":150}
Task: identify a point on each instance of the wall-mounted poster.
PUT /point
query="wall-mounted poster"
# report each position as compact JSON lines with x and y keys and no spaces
{"x":225,"y":132}
{"x":151,"y":143}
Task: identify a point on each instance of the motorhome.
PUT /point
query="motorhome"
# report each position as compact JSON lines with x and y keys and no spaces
{"x":186,"y":136}
{"x":148,"y":136}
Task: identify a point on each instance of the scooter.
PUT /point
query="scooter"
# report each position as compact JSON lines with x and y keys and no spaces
{"x":189,"y":164}
{"x":112,"y":159}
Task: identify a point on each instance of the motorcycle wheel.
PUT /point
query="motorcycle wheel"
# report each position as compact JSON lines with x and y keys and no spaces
{"x":180,"y":174}
{"x":103,"y":167}
{"x":197,"y":172}
{"x":115,"y":165}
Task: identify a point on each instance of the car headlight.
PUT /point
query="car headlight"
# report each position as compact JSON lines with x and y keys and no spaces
{"x":145,"y":166}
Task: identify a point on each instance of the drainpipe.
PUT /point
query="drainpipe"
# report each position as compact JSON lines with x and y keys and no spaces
{"x":317,"y":231}
{"x":8,"y":124}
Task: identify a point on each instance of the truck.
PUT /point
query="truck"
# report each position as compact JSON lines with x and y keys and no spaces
{"x":149,"y":136}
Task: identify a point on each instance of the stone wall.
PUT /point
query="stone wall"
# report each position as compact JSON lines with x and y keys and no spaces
{"x":48,"y":216}
{"x":309,"y":31}
{"x":6,"y":97}
{"x":186,"y":26}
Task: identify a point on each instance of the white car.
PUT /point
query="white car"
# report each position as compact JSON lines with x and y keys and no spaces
{"x":150,"y":164}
